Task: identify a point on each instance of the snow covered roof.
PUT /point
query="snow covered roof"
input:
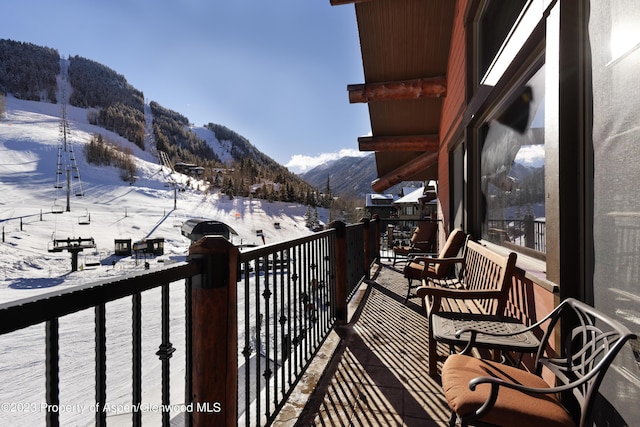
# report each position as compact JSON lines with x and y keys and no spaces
{"x":376,"y":199}
{"x":413,"y":197}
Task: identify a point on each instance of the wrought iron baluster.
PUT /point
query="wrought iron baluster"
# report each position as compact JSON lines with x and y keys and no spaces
{"x":283,"y":322}
{"x":52,"y":382}
{"x":247,"y":350}
{"x":101,"y":364}
{"x":258,"y":340}
{"x":136,"y":371}
{"x":288,"y":343}
{"x":266,"y":294}
{"x":188,"y":342}
{"x":294,"y":303}
{"x":165,"y":353}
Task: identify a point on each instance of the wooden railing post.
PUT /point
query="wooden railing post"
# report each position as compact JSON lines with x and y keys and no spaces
{"x":529,"y":239}
{"x":376,"y":231}
{"x":340,"y":251}
{"x":366,"y":235}
{"x":214,"y":333}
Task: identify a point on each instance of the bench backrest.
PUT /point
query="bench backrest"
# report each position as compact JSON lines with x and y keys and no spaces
{"x":485,"y":269}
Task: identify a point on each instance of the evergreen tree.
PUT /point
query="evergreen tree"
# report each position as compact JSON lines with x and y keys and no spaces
{"x":308,"y":221}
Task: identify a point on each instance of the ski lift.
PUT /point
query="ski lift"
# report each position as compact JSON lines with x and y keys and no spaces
{"x":92,"y":259}
{"x":84,"y":219}
{"x":56,"y":208}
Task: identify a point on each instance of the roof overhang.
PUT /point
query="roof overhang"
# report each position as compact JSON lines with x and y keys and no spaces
{"x":405,"y":49}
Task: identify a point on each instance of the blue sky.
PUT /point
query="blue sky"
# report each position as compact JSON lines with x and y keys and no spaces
{"x":274,"y":71}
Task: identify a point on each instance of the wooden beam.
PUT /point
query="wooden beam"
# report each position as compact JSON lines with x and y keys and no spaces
{"x":404,"y":172}
{"x":427,"y":87}
{"x":339,"y":2}
{"x":399,"y":143}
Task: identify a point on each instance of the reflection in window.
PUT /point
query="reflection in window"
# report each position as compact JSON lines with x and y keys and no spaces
{"x":512,"y":168}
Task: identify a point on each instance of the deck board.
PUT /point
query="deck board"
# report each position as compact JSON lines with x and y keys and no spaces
{"x":379,"y":373}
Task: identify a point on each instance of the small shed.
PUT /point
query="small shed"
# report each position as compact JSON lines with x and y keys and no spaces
{"x":122,"y":247}
{"x":151,"y":246}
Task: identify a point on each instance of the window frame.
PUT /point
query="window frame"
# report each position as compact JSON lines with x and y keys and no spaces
{"x":483,"y":102}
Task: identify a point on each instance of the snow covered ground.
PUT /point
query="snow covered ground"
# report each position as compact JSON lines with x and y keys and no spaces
{"x":29,"y":140}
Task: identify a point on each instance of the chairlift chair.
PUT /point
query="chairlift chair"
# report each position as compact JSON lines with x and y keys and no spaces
{"x":56,"y":209}
{"x":92,"y":259}
{"x":84,"y":219}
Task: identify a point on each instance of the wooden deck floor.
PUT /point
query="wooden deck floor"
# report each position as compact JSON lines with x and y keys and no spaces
{"x":378,"y":373}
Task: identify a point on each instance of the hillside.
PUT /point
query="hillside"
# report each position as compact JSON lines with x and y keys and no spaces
{"x":102,"y":206}
{"x":31,"y":72}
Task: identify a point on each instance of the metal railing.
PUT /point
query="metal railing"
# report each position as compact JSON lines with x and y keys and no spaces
{"x":280,"y":301}
{"x":291,"y":296}
{"x":49,"y":309}
{"x":527,"y":232}
{"x":284,"y":315}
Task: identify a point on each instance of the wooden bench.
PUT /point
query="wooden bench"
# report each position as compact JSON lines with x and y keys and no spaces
{"x":482,"y":287}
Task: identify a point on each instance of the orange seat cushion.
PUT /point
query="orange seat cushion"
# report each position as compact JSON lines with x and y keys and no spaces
{"x":415,"y":270}
{"x":512,"y":408}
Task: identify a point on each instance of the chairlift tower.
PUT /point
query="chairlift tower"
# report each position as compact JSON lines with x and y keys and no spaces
{"x":67,"y":166}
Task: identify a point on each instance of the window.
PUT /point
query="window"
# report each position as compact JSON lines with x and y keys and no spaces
{"x":614,"y":35}
{"x":512,"y":168}
{"x":496,"y":20}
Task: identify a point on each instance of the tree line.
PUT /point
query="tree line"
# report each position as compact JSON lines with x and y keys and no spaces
{"x":28,"y":71}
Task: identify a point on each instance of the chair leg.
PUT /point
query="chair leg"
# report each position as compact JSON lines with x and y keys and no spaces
{"x":453,"y":419}
{"x":433,"y":352}
{"x":406,"y":300}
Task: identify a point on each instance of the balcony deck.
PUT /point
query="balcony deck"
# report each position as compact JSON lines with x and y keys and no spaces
{"x":378,"y":372}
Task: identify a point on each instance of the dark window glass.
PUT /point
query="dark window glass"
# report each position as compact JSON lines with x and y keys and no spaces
{"x":512,"y":169}
{"x":496,"y":20}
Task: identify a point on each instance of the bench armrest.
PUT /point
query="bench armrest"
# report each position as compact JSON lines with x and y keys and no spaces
{"x":428,"y":260}
{"x":437,"y":292}
{"x":435,"y":295}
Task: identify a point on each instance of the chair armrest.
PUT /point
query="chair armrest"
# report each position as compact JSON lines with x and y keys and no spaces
{"x":422,"y":255}
{"x":450,"y":260}
{"x":498,"y":382}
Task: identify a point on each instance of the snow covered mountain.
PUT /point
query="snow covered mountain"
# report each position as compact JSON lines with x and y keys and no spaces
{"x":101,"y":205}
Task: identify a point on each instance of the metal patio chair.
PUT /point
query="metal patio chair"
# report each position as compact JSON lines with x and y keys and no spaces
{"x":487,"y":393}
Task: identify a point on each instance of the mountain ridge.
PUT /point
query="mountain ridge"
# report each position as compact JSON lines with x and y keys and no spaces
{"x":349,"y":177}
